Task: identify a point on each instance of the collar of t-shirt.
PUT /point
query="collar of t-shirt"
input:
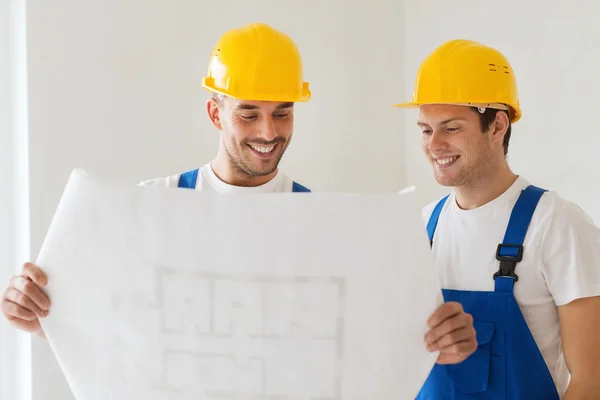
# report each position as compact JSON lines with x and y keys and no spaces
{"x":506,"y":199}
{"x":214,"y":183}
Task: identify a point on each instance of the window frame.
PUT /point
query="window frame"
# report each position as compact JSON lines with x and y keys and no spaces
{"x":15,"y":346}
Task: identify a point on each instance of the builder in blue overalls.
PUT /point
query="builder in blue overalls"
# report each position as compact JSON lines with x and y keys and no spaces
{"x":255,"y":75}
{"x":522,"y":260}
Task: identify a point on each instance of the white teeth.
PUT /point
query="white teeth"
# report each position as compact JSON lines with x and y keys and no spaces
{"x":263,"y":149}
{"x":444,"y":161}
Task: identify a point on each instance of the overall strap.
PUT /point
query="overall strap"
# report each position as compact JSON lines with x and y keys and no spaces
{"x":188,"y":179}
{"x":297,"y":188}
{"x":510,"y":251}
{"x":434,"y":218}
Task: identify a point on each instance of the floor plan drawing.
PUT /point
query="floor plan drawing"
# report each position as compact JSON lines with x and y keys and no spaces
{"x":214,"y":323}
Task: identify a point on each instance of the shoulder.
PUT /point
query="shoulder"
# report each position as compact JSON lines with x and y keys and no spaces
{"x":564,"y":227}
{"x":569,"y":248}
{"x":428,"y":209}
{"x":283,"y":183}
{"x":172,"y":180}
{"x":559,"y":213}
{"x":297,"y":187}
{"x":168,"y":181}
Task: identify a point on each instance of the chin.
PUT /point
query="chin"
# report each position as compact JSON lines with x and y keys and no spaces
{"x":445,"y":180}
{"x":444,"y":183}
{"x":263,"y":170}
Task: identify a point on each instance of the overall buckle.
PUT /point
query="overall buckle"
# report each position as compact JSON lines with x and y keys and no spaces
{"x":508,"y":263}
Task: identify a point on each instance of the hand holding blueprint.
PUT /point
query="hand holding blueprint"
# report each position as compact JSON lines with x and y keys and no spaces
{"x":176,"y":294}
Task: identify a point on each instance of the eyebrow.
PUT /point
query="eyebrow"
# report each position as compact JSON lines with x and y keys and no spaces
{"x":444,"y":122}
{"x":253,"y":107}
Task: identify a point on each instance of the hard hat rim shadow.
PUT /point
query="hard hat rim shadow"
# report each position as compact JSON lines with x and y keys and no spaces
{"x":257,"y":62}
{"x":466,"y":73}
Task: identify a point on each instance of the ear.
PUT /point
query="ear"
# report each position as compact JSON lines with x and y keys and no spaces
{"x":212,"y":109}
{"x":499,"y":128}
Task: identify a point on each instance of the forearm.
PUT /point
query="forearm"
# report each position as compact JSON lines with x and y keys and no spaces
{"x":580,"y":389}
{"x":579,"y":326}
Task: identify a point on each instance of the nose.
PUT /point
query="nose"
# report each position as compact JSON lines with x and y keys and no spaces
{"x":268,"y":129}
{"x":437,"y":142}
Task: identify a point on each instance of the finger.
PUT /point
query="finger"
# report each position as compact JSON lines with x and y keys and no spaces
{"x":30,"y":289}
{"x":34,"y":273}
{"x":14,"y":312}
{"x":461,"y":349}
{"x":24,"y":301}
{"x":27,"y":326}
{"x":445,"y":311}
{"x":456,"y":322}
{"x":457,"y":336}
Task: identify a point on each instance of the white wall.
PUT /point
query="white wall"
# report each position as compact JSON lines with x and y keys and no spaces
{"x":553,"y":49}
{"x":114,"y":87}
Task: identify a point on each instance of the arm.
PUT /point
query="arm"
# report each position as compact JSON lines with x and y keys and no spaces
{"x":580,"y":333}
{"x":571,"y":255}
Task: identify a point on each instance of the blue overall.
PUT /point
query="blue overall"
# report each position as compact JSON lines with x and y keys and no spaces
{"x":507,"y":363}
{"x":188,"y":180}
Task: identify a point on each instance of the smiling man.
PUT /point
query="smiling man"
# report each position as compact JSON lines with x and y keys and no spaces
{"x":523,"y":261}
{"x":255,"y":75}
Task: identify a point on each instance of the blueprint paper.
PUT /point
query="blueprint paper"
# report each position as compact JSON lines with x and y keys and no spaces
{"x":163,"y":293}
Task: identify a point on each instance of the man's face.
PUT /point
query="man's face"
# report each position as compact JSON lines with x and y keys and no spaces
{"x":457,"y":149}
{"x":255,"y":134}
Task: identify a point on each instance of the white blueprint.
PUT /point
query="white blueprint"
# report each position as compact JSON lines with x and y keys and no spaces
{"x":176,"y":294}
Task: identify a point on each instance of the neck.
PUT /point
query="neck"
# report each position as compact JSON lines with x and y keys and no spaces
{"x":486,"y":189}
{"x":227,"y":173}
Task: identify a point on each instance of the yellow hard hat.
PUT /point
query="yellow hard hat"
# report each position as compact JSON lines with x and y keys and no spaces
{"x":257,"y":62}
{"x":465,"y":72}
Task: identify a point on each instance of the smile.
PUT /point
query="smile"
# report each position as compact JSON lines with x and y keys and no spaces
{"x":447,"y":161}
{"x":263,"y":149}
{"x":263,"y":152}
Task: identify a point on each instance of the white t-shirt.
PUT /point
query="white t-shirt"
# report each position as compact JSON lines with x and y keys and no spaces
{"x":208,"y":181}
{"x":561,"y":261}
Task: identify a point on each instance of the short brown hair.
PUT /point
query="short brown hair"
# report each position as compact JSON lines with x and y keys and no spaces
{"x":487,"y":118}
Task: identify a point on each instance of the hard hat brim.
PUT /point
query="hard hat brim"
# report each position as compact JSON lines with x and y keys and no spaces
{"x":406,"y":105}
{"x":303,"y":97}
{"x":515,"y":114}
